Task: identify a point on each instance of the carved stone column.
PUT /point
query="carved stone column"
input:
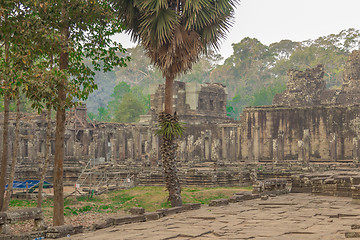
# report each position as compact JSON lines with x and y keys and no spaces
{"x":355,"y":150}
{"x":307,"y":146}
{"x":301,"y":151}
{"x":333,"y":147}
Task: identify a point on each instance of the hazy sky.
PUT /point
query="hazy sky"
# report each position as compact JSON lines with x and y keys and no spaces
{"x":274,"y":20}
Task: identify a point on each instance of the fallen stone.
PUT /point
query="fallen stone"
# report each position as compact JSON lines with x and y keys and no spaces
{"x":152,"y":216}
{"x":137,"y":211}
{"x":168,"y":211}
{"x":60,"y":231}
{"x":235,"y":198}
{"x":218,"y":202}
{"x":129,"y":219}
{"x":355,"y":226}
{"x":352,"y":234}
{"x":191,"y":206}
{"x":107,"y":223}
{"x":265,"y":197}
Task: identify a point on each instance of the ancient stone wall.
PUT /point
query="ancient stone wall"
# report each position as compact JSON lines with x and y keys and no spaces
{"x":209,"y":135}
{"x":321,"y":133}
{"x":303,"y":88}
{"x":307,"y":122}
{"x":205,"y":102}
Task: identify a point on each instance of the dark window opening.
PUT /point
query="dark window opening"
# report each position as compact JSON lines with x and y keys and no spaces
{"x":143,"y":148}
{"x":26,"y":149}
{"x":221,"y":105}
{"x":211,"y":104}
{"x":201,"y":104}
{"x":52,"y":147}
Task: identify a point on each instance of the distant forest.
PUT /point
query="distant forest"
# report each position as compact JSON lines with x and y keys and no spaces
{"x":253,"y":74}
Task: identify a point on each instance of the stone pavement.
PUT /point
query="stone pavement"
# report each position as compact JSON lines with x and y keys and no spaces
{"x":292,"y":216}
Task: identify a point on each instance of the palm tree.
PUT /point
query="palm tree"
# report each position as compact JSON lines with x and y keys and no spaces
{"x":174,"y":33}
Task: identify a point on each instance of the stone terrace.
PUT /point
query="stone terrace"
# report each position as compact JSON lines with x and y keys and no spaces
{"x":292,"y":216}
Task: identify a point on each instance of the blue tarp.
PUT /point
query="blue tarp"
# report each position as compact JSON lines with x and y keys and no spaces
{"x":31,"y":184}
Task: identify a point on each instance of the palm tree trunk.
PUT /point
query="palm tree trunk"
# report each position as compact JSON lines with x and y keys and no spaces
{"x":15,"y":153}
{"x":47,"y":157}
{"x":169,"y":148}
{"x":58,"y":218}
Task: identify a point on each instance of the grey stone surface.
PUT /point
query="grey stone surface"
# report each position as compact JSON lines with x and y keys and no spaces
{"x":137,"y":210}
{"x":286,"y":217}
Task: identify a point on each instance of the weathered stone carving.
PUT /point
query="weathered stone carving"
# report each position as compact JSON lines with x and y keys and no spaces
{"x":303,"y":88}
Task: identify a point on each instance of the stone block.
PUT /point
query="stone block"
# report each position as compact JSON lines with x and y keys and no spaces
{"x":24,"y":214}
{"x":355,"y":226}
{"x":191,"y":206}
{"x":218,"y":202}
{"x":137,"y":211}
{"x":60,"y":231}
{"x":152,"y":216}
{"x":265,"y":197}
{"x":129,"y":219}
{"x":168,"y":211}
{"x":235,"y":199}
{"x":107,"y":223}
{"x":352,"y":234}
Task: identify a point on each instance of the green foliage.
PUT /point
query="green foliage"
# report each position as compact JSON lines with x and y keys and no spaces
{"x":254,"y":71}
{"x":129,"y":110}
{"x":169,"y":127}
{"x":150,"y":198}
{"x":265,"y":96}
{"x":126,"y":106}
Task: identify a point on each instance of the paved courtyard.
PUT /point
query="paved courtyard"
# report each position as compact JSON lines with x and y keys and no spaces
{"x":292,"y":216}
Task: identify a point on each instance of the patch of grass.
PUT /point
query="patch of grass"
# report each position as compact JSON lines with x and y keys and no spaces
{"x":89,"y":199}
{"x":151,"y":198}
{"x":22,"y":203}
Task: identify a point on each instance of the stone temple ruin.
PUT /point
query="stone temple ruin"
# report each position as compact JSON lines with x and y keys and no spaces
{"x":307,"y":124}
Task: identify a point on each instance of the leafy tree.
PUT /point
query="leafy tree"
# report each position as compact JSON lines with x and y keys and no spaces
{"x":265,"y":95}
{"x":173,"y":34}
{"x":13,"y":23}
{"x":119,"y":91}
{"x":129,"y":109}
{"x":83,"y":29}
{"x":103,"y":115}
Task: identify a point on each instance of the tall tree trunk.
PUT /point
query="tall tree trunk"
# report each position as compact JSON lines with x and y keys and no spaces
{"x":47,"y":157}
{"x":169,"y":91}
{"x":15,"y":153}
{"x":169,"y":148}
{"x":4,"y":155}
{"x":5,"y":146}
{"x":58,"y":218}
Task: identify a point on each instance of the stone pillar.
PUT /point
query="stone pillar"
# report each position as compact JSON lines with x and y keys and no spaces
{"x":301,"y":151}
{"x":224,"y":143}
{"x":333,"y":147}
{"x":86,"y":142}
{"x":355,"y":151}
{"x":114,"y":153}
{"x":250,"y":147}
{"x":238,"y":144}
{"x":307,"y":146}
{"x":207,"y":148}
{"x":130,"y":148}
{"x":257,"y":155}
{"x":280,"y":141}
{"x":232,"y":145}
{"x":190,"y":147}
{"x":275,"y":151}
